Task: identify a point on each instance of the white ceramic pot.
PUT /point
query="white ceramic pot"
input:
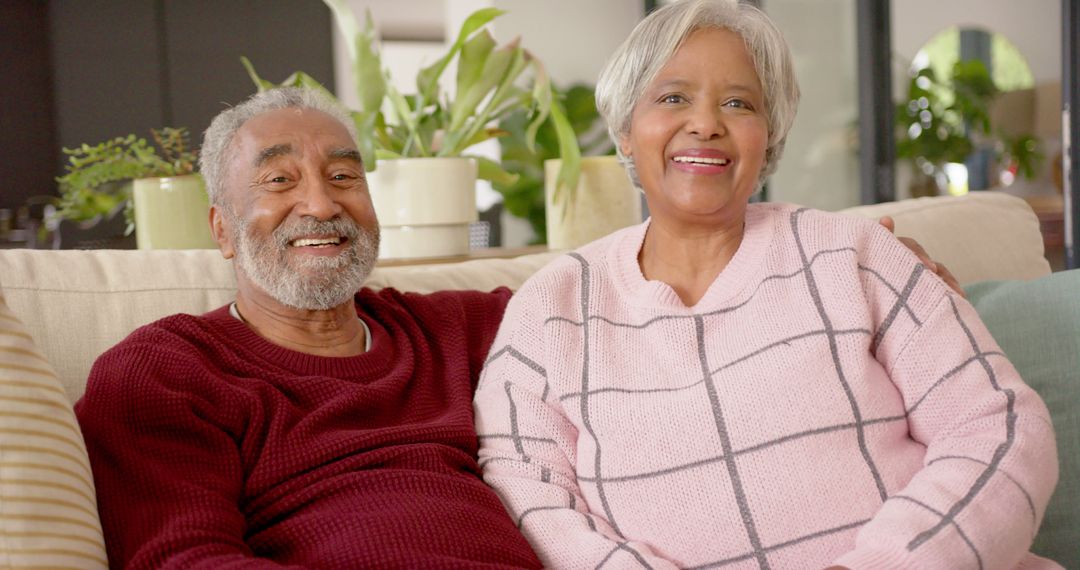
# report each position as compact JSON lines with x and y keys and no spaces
{"x":603,"y":202}
{"x":172,"y":213}
{"x":424,"y":205}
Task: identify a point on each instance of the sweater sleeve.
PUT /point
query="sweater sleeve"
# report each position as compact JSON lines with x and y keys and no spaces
{"x":168,"y":472}
{"x":528,"y":448}
{"x":990,"y":463}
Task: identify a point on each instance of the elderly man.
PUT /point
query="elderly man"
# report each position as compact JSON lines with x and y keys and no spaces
{"x":305,"y":425}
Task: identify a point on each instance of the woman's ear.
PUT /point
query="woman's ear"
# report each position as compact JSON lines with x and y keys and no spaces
{"x":624,"y":145}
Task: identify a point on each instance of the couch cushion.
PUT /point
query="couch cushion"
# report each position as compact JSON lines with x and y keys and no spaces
{"x":960,"y":231}
{"x":1037,"y":324}
{"x":77,"y":304}
{"x":48,"y":511}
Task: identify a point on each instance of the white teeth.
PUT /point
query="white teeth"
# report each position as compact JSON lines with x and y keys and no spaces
{"x":316,"y":242}
{"x":701,"y":160}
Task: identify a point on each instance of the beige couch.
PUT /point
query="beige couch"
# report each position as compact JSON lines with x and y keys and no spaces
{"x":76,"y":304}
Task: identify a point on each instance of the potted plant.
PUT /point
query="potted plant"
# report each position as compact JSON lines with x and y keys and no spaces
{"x":945,"y":120}
{"x":604,"y":199}
{"x":157,"y":187}
{"x":415,"y":146}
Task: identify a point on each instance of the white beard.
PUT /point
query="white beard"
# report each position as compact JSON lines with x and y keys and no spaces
{"x":309,"y":283}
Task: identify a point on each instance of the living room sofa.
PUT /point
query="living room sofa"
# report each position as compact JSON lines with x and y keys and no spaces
{"x":66,"y":307}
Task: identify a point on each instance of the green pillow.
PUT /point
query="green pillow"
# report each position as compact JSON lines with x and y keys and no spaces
{"x":1037,"y":324}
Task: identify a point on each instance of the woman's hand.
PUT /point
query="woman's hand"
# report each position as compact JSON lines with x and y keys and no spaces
{"x":924,"y":257}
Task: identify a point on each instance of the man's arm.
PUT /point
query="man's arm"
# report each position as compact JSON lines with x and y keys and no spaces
{"x":168,"y":472}
{"x":924,"y":256}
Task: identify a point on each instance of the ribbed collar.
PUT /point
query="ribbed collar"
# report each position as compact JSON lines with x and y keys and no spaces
{"x":621,"y":259}
{"x":372,"y":364}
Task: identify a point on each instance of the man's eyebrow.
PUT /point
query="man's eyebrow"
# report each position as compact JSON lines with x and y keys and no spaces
{"x":347,"y":154}
{"x":272,"y":152}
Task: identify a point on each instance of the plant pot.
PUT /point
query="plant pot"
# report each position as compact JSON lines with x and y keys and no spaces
{"x":926,"y":185}
{"x":172,"y":213}
{"x":604,"y":201}
{"x":424,"y":205}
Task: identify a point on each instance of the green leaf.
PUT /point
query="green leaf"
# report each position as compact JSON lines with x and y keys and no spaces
{"x":365,"y":123}
{"x":346,"y":23}
{"x":383,"y":154}
{"x":542,"y":102}
{"x":504,"y":87}
{"x":414,"y":146}
{"x":473,"y":58}
{"x":367,"y":70}
{"x":427,"y":82}
{"x":260,"y":83}
{"x":493,"y":72}
{"x":493,"y":172}
{"x":570,"y":171}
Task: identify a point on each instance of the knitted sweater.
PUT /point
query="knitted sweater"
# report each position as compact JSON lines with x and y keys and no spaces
{"x":828,"y":401}
{"x":212,"y":447}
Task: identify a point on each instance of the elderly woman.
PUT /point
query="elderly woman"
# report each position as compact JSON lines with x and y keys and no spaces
{"x":750,"y":385}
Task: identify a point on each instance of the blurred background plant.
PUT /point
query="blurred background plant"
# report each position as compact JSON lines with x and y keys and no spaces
{"x":524,"y":197}
{"x":97,"y":177}
{"x":945,"y":120}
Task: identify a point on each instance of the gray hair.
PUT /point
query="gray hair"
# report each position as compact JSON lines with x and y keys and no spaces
{"x":217,"y":139}
{"x":655,"y":40}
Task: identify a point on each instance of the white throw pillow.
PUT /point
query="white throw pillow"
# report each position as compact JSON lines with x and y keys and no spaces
{"x":48,"y":510}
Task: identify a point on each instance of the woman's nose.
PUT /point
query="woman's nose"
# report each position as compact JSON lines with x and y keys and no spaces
{"x":707,"y":122}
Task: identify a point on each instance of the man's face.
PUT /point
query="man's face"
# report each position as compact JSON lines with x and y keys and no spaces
{"x":296,"y":212}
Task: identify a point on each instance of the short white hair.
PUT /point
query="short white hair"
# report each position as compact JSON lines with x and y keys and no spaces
{"x":214,"y":154}
{"x":635,"y":64}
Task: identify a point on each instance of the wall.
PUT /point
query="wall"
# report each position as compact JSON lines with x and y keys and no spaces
{"x":820,"y":163}
{"x":126,"y":66}
{"x":26,"y":139}
{"x":1033,"y":25}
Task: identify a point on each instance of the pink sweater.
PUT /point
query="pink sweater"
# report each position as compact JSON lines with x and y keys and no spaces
{"x":828,"y":401}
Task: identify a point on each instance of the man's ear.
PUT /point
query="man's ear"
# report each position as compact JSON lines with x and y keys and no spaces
{"x":222,"y":232}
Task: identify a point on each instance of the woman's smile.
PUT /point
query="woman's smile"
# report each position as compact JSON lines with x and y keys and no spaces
{"x":701,"y":161}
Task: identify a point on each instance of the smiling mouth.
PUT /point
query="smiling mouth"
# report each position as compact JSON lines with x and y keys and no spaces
{"x":317,"y":242}
{"x":702,"y":160}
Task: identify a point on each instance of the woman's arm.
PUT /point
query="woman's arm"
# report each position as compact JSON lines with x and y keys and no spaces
{"x":527,"y":450}
{"x":990,"y":463}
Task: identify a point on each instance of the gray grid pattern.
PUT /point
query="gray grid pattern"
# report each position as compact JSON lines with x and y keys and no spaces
{"x":729,"y":456}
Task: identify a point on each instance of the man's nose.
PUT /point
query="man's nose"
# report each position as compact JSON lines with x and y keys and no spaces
{"x":318,"y":200}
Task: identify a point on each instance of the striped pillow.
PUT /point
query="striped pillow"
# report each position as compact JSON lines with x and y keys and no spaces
{"x":48,"y":513}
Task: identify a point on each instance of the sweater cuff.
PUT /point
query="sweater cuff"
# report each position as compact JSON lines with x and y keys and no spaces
{"x":876,"y":559}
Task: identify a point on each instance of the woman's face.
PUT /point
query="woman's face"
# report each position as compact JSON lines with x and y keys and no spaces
{"x":698,"y":133}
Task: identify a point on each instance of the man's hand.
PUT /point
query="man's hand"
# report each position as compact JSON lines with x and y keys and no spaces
{"x":924,"y":257}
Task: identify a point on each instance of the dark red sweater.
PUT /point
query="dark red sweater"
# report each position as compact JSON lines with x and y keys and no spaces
{"x":214,"y":448}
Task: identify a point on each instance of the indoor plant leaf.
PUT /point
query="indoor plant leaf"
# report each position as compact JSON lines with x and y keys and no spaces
{"x":427,"y":81}
{"x":260,"y":83}
{"x":493,"y":72}
{"x":570,"y":170}
{"x":493,"y":171}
